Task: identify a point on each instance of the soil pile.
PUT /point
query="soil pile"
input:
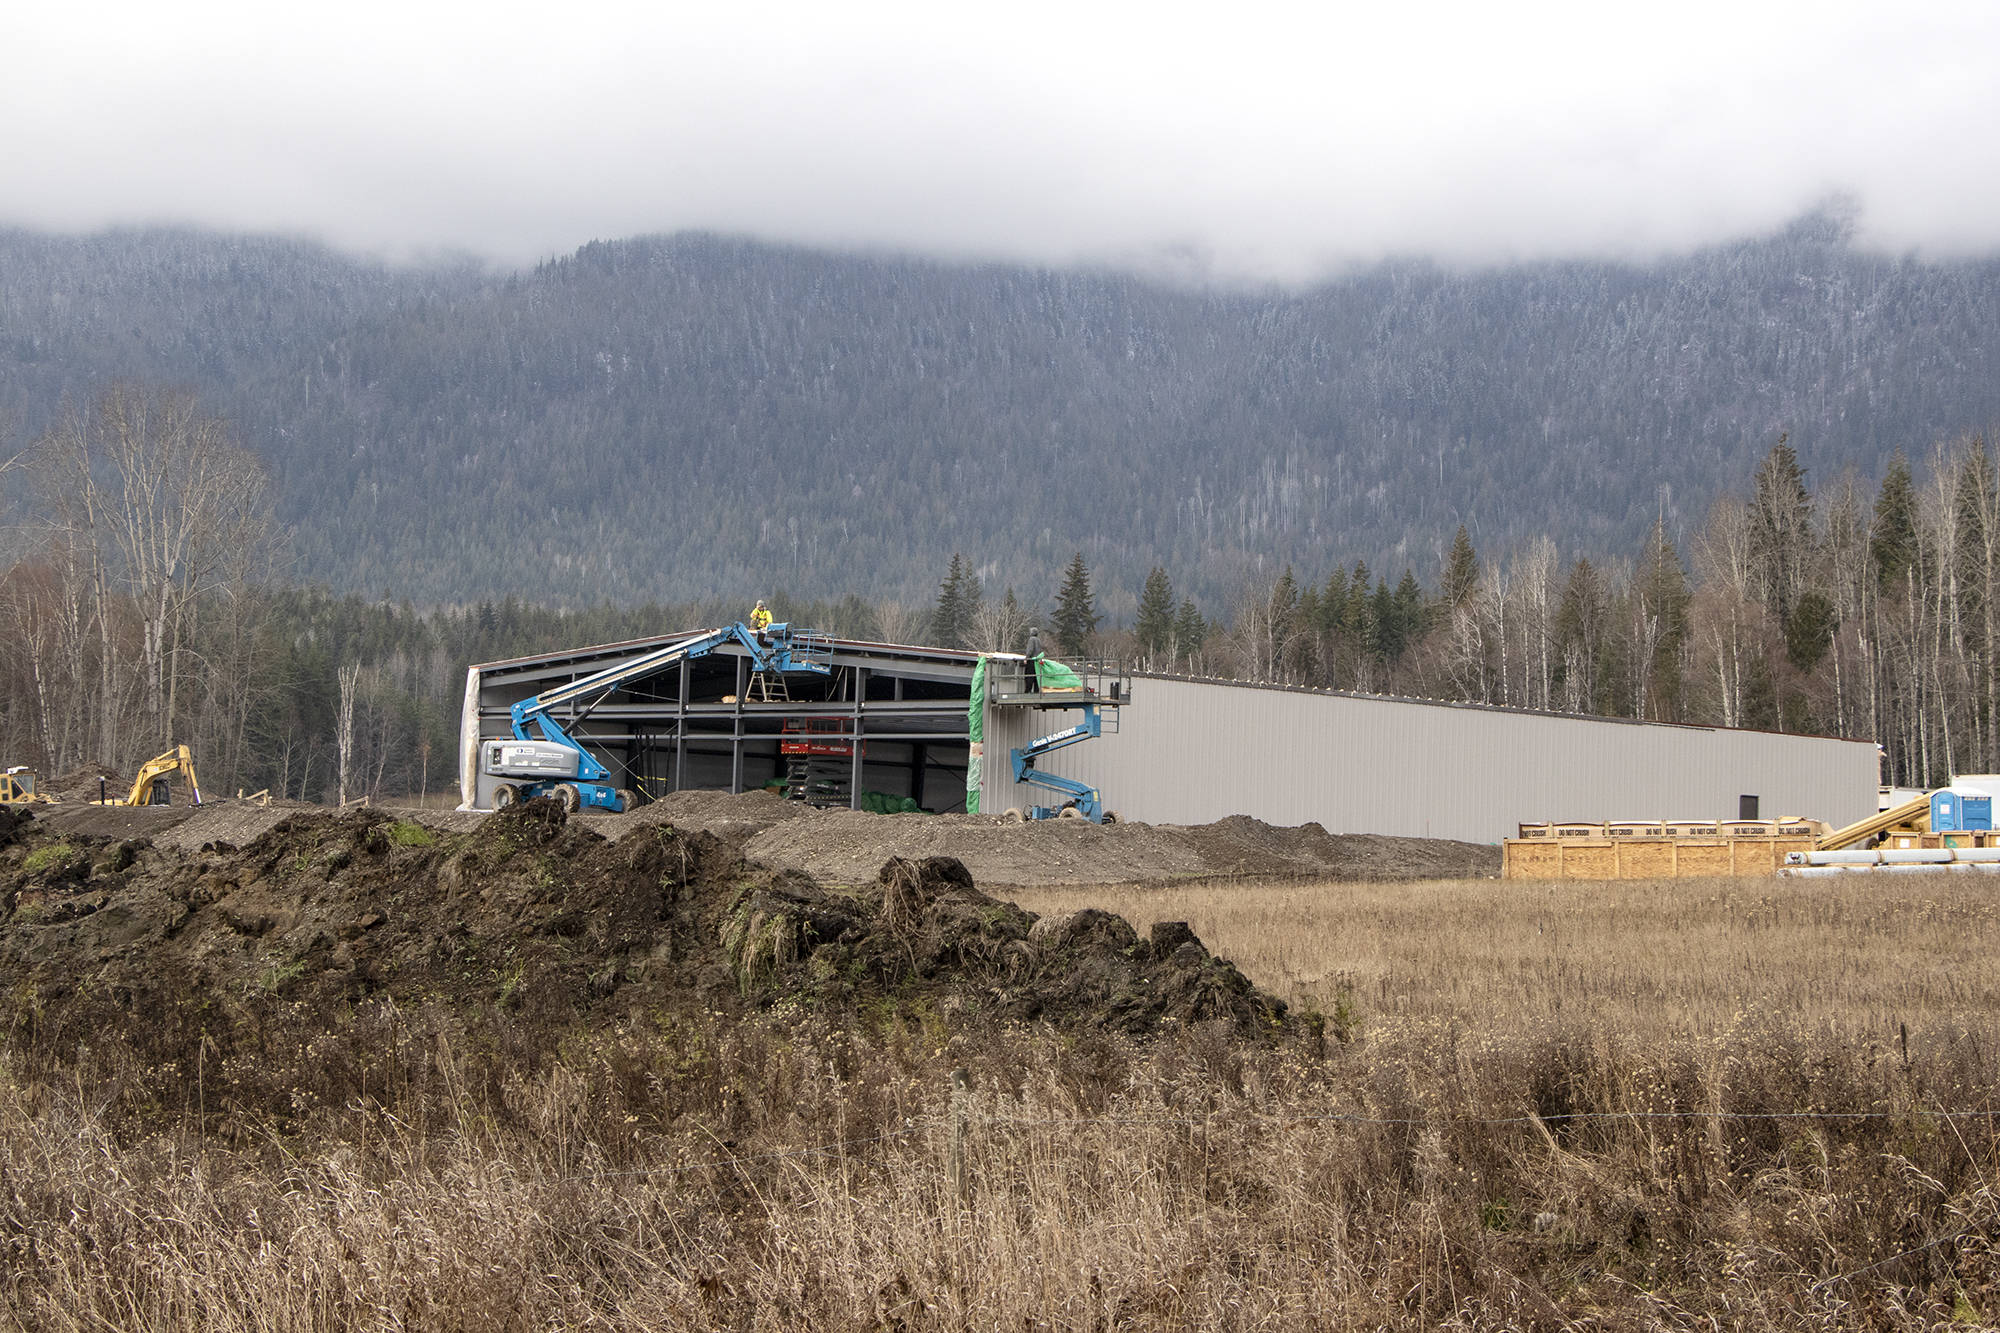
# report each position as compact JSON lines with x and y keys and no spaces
{"x":846,"y":846}
{"x":83,"y":784}
{"x":539,"y":918}
{"x":183,"y":827}
{"x":733,"y":818}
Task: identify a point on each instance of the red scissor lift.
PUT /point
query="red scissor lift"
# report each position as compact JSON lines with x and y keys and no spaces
{"x":819,"y":760}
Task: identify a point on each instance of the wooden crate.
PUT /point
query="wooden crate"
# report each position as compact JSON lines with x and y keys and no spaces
{"x":1695,"y":857}
{"x":1646,"y":858}
{"x":1531,"y":858}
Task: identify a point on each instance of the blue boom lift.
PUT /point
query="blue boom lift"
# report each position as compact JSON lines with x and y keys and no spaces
{"x":1097,"y":690}
{"x":1081,"y":800}
{"x":544,"y":759}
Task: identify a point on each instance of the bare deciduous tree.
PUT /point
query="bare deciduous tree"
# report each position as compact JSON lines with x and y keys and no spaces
{"x":163,"y":506}
{"x":350,"y":686}
{"x":901,"y":622}
{"x":997,"y":626}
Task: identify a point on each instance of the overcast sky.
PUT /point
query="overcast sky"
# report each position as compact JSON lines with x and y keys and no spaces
{"x":1236,"y":139}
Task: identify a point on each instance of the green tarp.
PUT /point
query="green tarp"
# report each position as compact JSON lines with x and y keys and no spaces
{"x":975,"y":731}
{"x":1051,"y":675}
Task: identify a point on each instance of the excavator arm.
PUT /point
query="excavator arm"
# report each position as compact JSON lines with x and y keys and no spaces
{"x":177,"y":760}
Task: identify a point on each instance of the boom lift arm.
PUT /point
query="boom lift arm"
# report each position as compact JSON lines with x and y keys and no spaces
{"x":1080,"y":797}
{"x":545,"y":759}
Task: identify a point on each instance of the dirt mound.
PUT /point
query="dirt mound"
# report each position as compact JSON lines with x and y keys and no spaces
{"x":923,"y":927}
{"x":734,"y":818}
{"x":82,"y":784}
{"x":845,"y":846}
{"x":848,"y":847}
{"x":536,"y":918}
{"x":1241,"y":845}
{"x":81,"y":819}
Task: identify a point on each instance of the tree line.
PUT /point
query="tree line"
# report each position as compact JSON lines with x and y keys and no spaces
{"x":146,"y":608}
{"x":1861,"y":611}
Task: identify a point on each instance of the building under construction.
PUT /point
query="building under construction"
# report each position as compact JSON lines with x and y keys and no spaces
{"x":892,"y":726}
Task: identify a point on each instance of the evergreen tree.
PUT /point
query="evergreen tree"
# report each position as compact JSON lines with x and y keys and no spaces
{"x":1580,"y":635}
{"x":1333,"y":603}
{"x":1410,"y":606}
{"x":1359,"y":616}
{"x":1892,"y":538}
{"x":1282,"y":614}
{"x":1076,"y":617}
{"x":1461,"y":573}
{"x":1781,"y":530}
{"x":1809,"y":632}
{"x":957,"y":604}
{"x":1155,"y":628}
{"x":1662,"y":611}
{"x":1360,"y":621}
{"x":1385,"y":626}
{"x":1190,"y":633}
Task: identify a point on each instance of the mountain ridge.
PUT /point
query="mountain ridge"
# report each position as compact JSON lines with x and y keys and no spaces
{"x":679,"y":417}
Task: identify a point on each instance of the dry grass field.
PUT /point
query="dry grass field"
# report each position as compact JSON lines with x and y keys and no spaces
{"x":1858,"y":959}
{"x":1687,"y":1106}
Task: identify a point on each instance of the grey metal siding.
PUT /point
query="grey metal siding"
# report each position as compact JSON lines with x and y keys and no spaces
{"x":1189,"y":752}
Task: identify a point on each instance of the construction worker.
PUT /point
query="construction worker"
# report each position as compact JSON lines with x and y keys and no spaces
{"x":1033,"y":681}
{"x":760,"y":618}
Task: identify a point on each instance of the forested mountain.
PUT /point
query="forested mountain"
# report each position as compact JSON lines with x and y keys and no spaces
{"x":692,"y":417}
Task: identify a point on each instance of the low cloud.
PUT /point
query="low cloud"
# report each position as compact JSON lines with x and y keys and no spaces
{"x":1280,"y":146}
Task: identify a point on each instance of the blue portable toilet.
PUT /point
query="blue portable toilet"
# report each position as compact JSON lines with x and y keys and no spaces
{"x":1961,"y":812}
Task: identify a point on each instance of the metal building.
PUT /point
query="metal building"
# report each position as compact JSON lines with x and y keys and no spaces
{"x":1190,"y":751}
{"x":1183,"y":751}
{"x":702,"y":723}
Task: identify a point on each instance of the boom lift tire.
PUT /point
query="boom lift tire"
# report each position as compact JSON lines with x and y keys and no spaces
{"x":1110,"y":817}
{"x":567,"y":797}
{"x":1013,"y":815}
{"x":626,"y":801}
{"x":504,"y":795}
{"x":1070,"y":812}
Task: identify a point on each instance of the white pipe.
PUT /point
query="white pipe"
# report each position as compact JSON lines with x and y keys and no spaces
{"x":1921,"y":868}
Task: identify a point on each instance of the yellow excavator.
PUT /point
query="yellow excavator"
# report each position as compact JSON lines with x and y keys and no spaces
{"x":17,"y":787}
{"x":152,"y":785}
